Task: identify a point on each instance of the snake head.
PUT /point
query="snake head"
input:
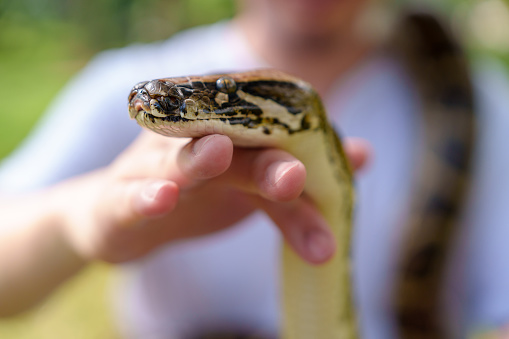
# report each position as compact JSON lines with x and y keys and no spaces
{"x":156,"y":98}
{"x":240,"y":105}
{"x":164,"y":105}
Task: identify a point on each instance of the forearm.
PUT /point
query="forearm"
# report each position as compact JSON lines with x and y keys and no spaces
{"x":34,"y":255}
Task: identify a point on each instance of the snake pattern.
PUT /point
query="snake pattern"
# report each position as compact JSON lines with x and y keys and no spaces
{"x":267,"y":108}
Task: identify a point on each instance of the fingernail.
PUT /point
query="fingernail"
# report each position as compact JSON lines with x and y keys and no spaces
{"x":149,"y":192}
{"x":320,"y":245}
{"x":200,"y":144}
{"x":281,"y":168}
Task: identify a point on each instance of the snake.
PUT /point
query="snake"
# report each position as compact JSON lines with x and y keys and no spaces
{"x":268,"y":108}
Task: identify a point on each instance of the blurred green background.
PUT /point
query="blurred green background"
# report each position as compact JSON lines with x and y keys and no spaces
{"x":44,"y":42}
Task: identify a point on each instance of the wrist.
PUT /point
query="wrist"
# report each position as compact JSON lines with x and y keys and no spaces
{"x":59,"y":203}
{"x":73,"y":209}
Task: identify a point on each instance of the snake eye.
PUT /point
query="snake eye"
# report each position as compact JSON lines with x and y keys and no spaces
{"x":226,"y":85}
{"x":172,"y":101}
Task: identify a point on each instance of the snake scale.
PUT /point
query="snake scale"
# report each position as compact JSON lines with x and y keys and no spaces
{"x":268,"y":108}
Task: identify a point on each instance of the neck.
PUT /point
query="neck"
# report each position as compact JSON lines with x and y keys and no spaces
{"x":319,"y":60}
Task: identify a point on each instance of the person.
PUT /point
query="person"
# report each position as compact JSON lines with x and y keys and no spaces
{"x":87,"y":185}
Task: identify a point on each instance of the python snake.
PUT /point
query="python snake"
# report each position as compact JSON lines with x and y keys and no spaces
{"x":267,"y":108}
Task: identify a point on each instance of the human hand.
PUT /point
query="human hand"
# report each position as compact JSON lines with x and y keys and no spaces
{"x":163,"y":189}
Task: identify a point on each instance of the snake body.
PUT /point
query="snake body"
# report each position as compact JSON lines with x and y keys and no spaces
{"x":267,"y":108}
{"x":440,"y":70}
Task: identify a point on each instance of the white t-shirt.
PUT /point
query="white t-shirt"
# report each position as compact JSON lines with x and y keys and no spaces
{"x":230,"y":279}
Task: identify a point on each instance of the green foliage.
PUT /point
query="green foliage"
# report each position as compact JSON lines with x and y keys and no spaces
{"x":111,"y":23}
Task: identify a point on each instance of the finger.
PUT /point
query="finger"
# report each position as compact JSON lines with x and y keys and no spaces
{"x":132,"y":202}
{"x":302,"y":226}
{"x":358,"y":151}
{"x":154,"y":198}
{"x":181,"y":160}
{"x":271,"y":173}
{"x":204,"y":158}
{"x":278,"y":176}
